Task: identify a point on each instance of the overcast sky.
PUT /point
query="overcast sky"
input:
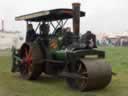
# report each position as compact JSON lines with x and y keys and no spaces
{"x":101,"y":15}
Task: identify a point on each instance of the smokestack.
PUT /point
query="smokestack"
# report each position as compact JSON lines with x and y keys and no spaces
{"x":2,"y":24}
{"x":76,"y":19}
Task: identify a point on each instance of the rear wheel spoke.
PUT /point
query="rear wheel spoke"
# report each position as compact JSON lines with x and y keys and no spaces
{"x":27,"y":61}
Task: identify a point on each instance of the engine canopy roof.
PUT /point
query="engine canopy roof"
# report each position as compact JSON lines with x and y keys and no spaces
{"x":49,"y":15}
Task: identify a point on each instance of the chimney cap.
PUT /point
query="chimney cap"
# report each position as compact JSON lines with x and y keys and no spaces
{"x":76,"y":4}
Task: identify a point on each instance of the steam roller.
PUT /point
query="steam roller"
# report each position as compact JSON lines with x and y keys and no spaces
{"x":62,"y":53}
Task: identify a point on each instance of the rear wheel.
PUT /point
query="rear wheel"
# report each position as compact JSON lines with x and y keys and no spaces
{"x":31,"y":67}
{"x":95,"y":73}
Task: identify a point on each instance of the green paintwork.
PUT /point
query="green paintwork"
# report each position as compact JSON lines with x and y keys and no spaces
{"x":59,"y":54}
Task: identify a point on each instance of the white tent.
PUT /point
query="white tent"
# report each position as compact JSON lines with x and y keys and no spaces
{"x":9,"y":39}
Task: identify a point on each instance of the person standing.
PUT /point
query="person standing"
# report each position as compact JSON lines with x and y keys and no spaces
{"x":31,"y":34}
{"x":89,"y":39}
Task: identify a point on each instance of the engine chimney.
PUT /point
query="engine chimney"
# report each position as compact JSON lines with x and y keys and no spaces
{"x":76,"y":19}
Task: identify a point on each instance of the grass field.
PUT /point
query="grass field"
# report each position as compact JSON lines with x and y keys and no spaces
{"x":13,"y":85}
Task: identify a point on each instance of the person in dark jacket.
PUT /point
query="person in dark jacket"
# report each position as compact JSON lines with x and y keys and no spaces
{"x":44,"y":32}
{"x":31,"y":34}
{"x":89,"y":39}
{"x":67,"y":37}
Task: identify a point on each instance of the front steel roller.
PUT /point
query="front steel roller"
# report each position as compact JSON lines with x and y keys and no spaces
{"x":31,"y":66}
{"x":95,"y":74}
